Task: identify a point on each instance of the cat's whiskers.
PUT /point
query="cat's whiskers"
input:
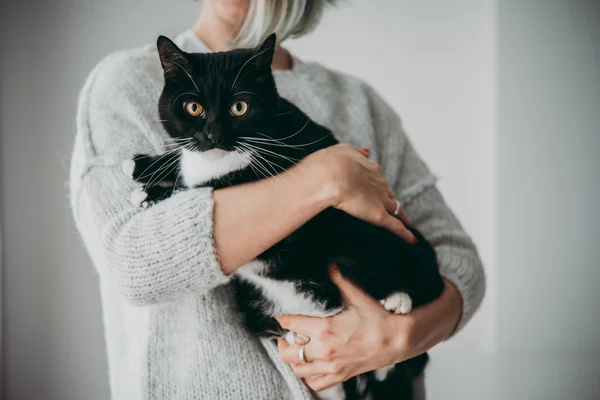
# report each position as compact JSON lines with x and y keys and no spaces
{"x":272,"y":177}
{"x":258,"y":163}
{"x":181,"y":94}
{"x":247,"y":92}
{"x":256,"y":171}
{"x":189,"y":76}
{"x":164,"y":146}
{"x":301,"y":129}
{"x":277,"y":143}
{"x":269,"y":152}
{"x":252,"y":161}
{"x":268,"y":142}
{"x":285,"y":113}
{"x":160,"y":158}
{"x":248,"y":73}
{"x":272,"y":165}
{"x":173,"y":147}
{"x":166,"y":169}
{"x":268,"y":137}
{"x":250,"y":59}
{"x":156,"y":174}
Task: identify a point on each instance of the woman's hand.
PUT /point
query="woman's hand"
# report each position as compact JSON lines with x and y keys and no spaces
{"x":365,"y":336}
{"x":358,"y":187}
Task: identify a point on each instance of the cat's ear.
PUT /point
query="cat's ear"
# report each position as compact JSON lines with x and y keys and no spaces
{"x":263,"y":55}
{"x":172,"y":57}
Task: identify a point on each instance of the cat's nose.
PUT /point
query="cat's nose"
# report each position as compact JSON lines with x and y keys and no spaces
{"x":213,"y":131}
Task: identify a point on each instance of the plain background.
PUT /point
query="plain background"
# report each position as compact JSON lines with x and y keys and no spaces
{"x":501,"y":98}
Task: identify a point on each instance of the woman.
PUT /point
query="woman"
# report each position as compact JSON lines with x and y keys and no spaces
{"x":171,"y":325}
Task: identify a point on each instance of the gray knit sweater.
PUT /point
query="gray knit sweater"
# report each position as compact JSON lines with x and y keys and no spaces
{"x":172,"y":329}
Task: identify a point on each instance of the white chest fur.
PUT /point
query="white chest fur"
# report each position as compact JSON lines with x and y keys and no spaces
{"x":198,"y":167}
{"x":283,"y":296}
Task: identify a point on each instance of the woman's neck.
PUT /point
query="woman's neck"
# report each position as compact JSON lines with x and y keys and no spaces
{"x":215,"y":34}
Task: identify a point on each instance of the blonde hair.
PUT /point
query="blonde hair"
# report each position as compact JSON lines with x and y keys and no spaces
{"x":284,"y":17}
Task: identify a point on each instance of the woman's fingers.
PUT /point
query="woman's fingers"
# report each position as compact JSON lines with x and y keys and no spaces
{"x":290,"y":353}
{"x":393,"y":221}
{"x":391,"y":204}
{"x":397,"y":206}
{"x":365,"y":151}
{"x":403,"y":216}
{"x":396,"y":226}
{"x":307,"y":326}
{"x":352,"y":294}
{"x":313,"y":368}
{"x":323,"y":382}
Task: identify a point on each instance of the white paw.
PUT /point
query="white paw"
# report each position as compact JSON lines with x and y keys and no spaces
{"x":137,"y":198}
{"x":296,"y":338}
{"x":336,"y":392}
{"x":382,"y":373}
{"x":290,"y":337}
{"x":398,"y":302}
{"x":128,"y":167}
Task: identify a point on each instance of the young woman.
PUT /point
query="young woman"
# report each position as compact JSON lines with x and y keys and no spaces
{"x":171,"y":323}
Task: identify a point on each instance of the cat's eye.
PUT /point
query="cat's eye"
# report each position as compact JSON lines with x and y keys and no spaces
{"x":239,"y":108}
{"x":193,"y":108}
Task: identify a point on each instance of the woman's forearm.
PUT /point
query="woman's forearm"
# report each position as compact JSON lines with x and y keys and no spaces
{"x":429,"y":324}
{"x":250,"y":218}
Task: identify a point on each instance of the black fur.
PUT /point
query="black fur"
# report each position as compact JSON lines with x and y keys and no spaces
{"x":372,"y":257}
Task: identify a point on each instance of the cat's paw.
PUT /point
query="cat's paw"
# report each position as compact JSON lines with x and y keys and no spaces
{"x":296,"y":338}
{"x":128,"y":167}
{"x":139,"y":198}
{"x":398,"y":303}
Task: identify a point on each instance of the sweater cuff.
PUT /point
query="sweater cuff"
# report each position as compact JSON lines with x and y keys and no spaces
{"x":205,"y":268}
{"x":464,"y":271}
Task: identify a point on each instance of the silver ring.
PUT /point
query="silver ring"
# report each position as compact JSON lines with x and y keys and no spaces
{"x":397,"y":210}
{"x":301,"y":354}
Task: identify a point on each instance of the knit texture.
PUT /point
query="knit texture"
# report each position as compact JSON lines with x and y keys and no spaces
{"x":172,"y":329}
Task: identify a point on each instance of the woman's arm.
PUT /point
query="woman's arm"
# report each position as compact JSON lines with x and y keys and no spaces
{"x":251,"y":218}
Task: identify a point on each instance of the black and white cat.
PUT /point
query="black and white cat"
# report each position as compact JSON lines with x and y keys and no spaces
{"x":224,"y":112}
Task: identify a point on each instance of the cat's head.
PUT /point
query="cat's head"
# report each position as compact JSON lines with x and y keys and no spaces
{"x":210,"y":100}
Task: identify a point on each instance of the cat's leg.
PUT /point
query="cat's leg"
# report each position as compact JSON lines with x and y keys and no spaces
{"x":382,"y":373}
{"x":398,"y":303}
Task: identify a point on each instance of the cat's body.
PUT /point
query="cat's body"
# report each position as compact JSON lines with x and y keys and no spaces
{"x":270,"y":135}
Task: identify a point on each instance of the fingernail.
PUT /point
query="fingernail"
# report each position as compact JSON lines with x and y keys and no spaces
{"x":415,"y":240}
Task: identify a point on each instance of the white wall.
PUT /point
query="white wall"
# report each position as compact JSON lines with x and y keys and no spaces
{"x":549,"y":221}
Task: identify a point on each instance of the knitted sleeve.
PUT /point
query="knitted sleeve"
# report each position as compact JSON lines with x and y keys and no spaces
{"x":151,"y":255}
{"x":415,"y":187}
